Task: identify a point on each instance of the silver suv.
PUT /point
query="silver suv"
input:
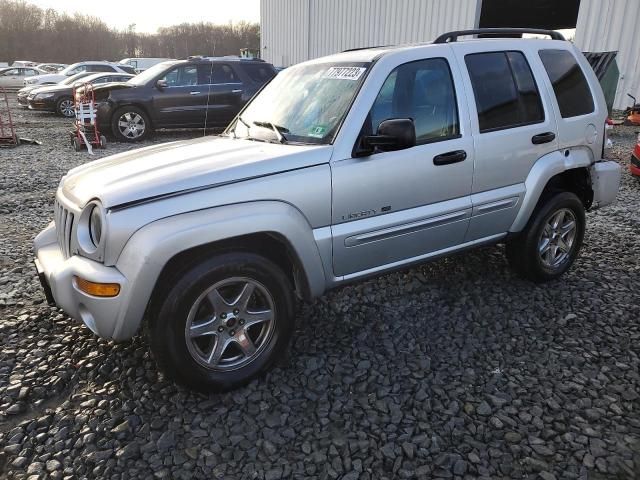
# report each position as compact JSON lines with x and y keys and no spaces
{"x":340,"y":168}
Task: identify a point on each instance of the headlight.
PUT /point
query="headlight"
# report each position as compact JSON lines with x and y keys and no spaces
{"x":43,"y":95}
{"x":91,"y":227}
{"x":95,"y":225}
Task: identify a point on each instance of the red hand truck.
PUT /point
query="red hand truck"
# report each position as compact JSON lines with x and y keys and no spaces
{"x":8,"y":137}
{"x":86,"y":132}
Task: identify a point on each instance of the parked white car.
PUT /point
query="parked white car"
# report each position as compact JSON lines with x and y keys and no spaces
{"x":341,"y":168}
{"x":89,"y":66}
{"x":13,"y":77}
{"x":142,"y":64}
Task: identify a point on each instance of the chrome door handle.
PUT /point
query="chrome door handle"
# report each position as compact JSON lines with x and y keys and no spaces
{"x":236,"y":91}
{"x":194,"y":93}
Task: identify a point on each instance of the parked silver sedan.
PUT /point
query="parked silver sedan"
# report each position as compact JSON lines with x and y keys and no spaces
{"x":13,"y":77}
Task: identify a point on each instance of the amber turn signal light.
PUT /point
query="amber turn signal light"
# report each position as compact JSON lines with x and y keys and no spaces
{"x":97,"y":289}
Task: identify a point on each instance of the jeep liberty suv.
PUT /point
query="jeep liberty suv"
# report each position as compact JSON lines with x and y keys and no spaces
{"x":340,"y":168}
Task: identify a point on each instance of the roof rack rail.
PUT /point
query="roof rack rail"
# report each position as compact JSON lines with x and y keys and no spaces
{"x":364,"y":48}
{"x":453,"y":36}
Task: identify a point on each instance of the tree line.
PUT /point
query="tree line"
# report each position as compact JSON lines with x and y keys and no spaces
{"x":28,"y":32}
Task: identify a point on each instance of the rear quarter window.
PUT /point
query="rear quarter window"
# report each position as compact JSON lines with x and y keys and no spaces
{"x":569,"y":83}
{"x":259,"y":73}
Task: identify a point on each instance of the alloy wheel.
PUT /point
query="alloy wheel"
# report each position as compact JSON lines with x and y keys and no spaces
{"x":131,"y":125}
{"x":230,"y":324}
{"x":67,"y":108}
{"x":557,"y":238}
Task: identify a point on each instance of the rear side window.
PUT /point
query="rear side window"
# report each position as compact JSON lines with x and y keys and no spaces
{"x":569,"y":84}
{"x":504,"y":89}
{"x":101,"y":68}
{"x":258,"y":72}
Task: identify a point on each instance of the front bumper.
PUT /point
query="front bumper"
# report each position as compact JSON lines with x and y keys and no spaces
{"x":100,"y":314}
{"x":48,"y":104}
{"x":605,"y":182}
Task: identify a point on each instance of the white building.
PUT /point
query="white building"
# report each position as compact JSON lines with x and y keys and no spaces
{"x":293,"y":31}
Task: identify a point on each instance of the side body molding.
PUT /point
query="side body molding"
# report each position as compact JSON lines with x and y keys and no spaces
{"x":151,"y":247}
{"x":542,"y":171}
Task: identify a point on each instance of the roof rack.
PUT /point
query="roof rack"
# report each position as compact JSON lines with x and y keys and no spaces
{"x":453,"y":36}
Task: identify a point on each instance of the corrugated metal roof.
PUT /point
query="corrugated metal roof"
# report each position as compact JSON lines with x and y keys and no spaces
{"x":600,"y":61}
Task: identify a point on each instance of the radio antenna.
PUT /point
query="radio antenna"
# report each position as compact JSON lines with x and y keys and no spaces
{"x":206,"y":112}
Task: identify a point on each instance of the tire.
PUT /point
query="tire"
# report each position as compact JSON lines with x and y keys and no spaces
{"x":200,"y":300}
{"x":541,"y":254}
{"x":130,"y":124}
{"x":65,"y":107}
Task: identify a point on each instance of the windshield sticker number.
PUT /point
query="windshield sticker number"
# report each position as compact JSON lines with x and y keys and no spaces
{"x":345,"y":73}
{"x":317,"y":131}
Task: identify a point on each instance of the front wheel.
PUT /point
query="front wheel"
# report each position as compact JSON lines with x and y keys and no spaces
{"x":550,"y":243}
{"x":65,"y":107}
{"x":130,"y":124}
{"x":224,"y":321}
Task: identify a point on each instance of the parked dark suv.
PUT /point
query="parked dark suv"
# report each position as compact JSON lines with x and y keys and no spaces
{"x":191,"y":93}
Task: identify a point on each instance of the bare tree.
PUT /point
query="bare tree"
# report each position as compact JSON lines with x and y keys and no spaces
{"x":28,"y":32}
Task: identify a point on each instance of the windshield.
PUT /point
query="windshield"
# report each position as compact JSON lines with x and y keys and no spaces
{"x":149,"y":74}
{"x":305,"y":104}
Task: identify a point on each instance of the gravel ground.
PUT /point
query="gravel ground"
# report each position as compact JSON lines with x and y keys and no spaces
{"x":454,"y":369}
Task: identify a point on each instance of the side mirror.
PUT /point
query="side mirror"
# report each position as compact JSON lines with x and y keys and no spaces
{"x":161,"y":84}
{"x":393,"y":134}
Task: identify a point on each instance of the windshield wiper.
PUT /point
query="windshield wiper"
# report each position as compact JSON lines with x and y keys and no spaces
{"x":243,"y":122}
{"x":277,"y":129}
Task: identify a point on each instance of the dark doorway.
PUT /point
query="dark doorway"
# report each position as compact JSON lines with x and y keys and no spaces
{"x":548,"y":14}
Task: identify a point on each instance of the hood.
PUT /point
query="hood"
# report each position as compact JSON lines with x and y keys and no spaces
{"x":51,"y":88}
{"x":106,"y":87}
{"x":181,"y":166}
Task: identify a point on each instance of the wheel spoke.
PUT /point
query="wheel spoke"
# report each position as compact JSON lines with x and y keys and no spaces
{"x":246,"y":344}
{"x":221,"y":344}
{"x":558,"y":219}
{"x":562,"y":245}
{"x":253,"y":318}
{"x":242,"y":301}
{"x":205,"y":328}
{"x":544,"y":247}
{"x":567,"y":227}
{"x":218,"y":303}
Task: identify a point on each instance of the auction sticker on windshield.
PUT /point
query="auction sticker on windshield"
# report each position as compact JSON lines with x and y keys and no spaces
{"x":345,"y":73}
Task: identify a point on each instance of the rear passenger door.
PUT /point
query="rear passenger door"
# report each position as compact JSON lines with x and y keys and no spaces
{"x":225,"y":94}
{"x":512,"y":126}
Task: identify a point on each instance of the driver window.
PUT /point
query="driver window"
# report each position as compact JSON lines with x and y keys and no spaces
{"x":12,"y":73}
{"x":184,"y":76}
{"x":423,"y":91}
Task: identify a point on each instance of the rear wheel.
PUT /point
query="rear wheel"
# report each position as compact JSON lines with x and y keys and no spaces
{"x":224,"y":322}
{"x":130,"y":124}
{"x":65,"y":107}
{"x":550,"y":243}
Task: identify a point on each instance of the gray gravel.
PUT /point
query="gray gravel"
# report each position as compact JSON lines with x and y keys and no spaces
{"x":455,"y":369}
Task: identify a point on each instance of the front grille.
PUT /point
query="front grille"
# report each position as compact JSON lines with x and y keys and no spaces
{"x":63,"y":219}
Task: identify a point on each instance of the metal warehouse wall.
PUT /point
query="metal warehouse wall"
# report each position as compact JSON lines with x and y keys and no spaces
{"x":605,"y":25}
{"x":298,"y":30}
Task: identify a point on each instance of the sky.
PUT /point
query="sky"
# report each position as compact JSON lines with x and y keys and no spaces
{"x":149,"y":15}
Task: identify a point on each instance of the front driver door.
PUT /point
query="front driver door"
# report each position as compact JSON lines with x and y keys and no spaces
{"x":180,"y":103}
{"x":394,"y":206}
